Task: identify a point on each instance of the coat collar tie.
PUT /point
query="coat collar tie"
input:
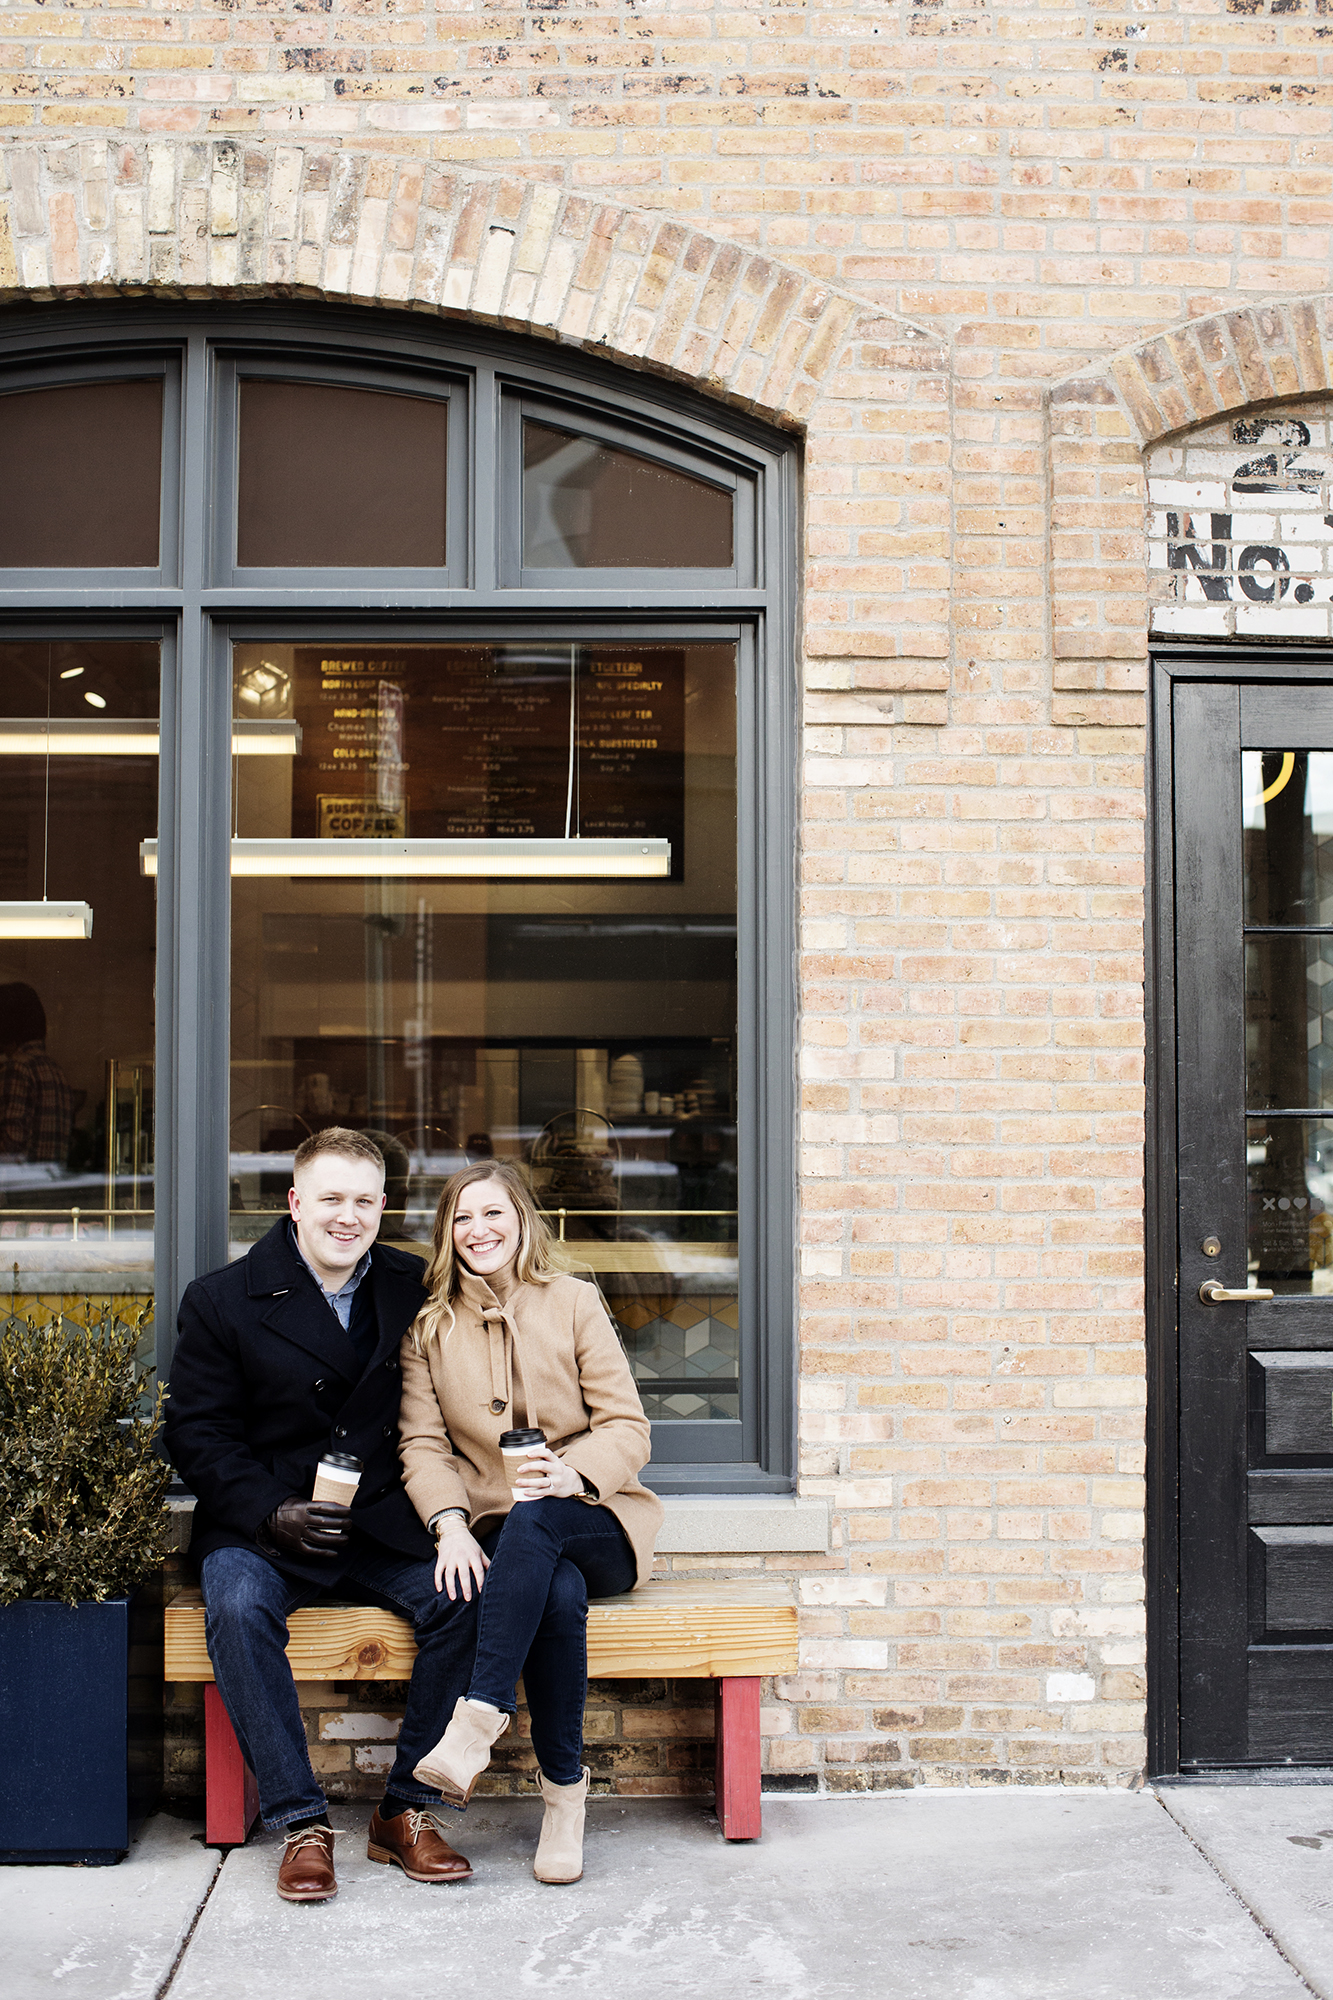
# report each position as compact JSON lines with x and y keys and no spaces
{"x":503,"y":1343}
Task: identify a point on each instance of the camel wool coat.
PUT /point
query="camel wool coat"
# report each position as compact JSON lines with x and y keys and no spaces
{"x":548,"y":1359}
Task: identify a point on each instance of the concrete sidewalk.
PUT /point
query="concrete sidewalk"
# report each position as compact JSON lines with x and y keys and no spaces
{"x":1218,"y":1892}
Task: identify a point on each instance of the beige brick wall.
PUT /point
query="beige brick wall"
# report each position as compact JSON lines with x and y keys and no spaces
{"x":745,"y":197}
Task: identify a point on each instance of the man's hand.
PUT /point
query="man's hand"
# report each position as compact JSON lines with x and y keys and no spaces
{"x":309,"y":1527}
{"x":460,"y":1559}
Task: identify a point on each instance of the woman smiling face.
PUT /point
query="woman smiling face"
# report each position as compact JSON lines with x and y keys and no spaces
{"x":487,"y":1230}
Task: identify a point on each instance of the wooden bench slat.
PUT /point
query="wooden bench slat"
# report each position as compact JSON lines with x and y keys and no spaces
{"x":707,"y":1630}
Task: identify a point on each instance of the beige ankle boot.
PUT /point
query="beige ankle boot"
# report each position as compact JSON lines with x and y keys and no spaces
{"x":464,"y":1750}
{"x":560,"y":1849}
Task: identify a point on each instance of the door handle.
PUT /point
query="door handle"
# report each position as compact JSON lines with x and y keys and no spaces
{"x":1214,"y":1294}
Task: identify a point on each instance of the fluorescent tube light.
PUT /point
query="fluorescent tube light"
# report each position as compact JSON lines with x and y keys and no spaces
{"x":95,"y":736}
{"x":46,"y":920}
{"x":523,"y":860}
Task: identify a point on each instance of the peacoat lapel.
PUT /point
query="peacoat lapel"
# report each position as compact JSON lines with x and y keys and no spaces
{"x":398,"y":1295}
{"x":292,"y":1306}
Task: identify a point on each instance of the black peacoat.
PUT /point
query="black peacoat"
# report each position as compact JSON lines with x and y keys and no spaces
{"x":265,"y":1380}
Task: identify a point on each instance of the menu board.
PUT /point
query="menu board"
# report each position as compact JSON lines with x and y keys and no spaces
{"x":491,"y":742}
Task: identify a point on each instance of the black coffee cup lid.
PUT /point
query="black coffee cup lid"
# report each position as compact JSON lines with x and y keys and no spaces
{"x":512,"y":1438}
{"x":343,"y":1459}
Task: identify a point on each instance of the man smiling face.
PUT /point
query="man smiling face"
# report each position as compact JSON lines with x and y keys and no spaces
{"x":336,"y":1203}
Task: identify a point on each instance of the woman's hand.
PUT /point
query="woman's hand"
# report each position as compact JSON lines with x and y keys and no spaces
{"x":460,"y":1558}
{"x":558,"y":1481}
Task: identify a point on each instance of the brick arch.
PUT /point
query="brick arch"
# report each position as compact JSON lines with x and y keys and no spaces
{"x":1102,"y":423}
{"x":181,"y":218}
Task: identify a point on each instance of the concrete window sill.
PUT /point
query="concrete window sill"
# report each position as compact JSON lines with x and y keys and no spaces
{"x":738,"y":1524}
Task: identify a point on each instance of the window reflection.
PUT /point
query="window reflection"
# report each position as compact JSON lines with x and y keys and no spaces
{"x":586,"y":1028}
{"x":589,"y":505}
{"x":76,"y":1016}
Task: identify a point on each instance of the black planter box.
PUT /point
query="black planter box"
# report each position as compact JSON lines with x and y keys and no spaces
{"x":80,"y":1725}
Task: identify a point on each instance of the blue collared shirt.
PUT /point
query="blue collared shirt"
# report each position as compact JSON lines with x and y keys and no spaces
{"x":341,"y":1300}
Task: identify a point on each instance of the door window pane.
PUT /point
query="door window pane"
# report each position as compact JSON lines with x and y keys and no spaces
{"x":76,"y":1013}
{"x":83,"y":476}
{"x":589,"y":505}
{"x":1288,"y":813}
{"x":1290,"y":1174}
{"x":1289,"y":1021}
{"x":585,"y":1027}
{"x":339,"y":478}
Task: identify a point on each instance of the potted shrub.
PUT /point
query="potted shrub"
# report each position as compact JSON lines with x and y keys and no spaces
{"x":83,"y":1531}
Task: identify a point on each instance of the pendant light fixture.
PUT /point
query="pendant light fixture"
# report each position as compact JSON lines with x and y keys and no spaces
{"x":46,"y":919}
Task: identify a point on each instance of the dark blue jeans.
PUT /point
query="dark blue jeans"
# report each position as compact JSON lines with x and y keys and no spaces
{"x":548,"y":1557}
{"x":248,"y":1602}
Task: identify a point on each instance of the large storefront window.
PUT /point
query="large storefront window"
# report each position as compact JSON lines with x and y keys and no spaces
{"x":416,"y":969}
{"x":462,"y":674}
{"x":79,"y":742}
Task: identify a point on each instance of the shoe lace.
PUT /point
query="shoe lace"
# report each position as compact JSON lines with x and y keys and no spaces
{"x":308,"y":1836}
{"x":420,"y":1821}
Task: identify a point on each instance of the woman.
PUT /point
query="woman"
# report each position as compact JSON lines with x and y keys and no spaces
{"x":504,"y":1343}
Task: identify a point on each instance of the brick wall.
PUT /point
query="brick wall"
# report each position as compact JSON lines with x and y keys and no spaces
{"x":947,"y":244}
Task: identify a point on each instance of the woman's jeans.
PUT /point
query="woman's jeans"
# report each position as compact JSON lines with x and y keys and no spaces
{"x":548,"y":1557}
{"x":248,"y":1602}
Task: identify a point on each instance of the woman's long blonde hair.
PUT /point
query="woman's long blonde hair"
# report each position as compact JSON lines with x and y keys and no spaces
{"x":532,"y":1264}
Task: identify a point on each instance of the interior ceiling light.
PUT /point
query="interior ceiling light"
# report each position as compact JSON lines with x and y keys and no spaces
{"x":95,"y":700}
{"x":71,"y":673}
{"x":98,"y":736}
{"x":521,"y":860}
{"x":46,"y":920}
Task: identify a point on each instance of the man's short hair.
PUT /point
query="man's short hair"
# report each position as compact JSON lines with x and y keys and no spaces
{"x":348,"y":1145}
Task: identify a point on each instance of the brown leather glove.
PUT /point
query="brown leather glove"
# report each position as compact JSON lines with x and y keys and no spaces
{"x":308,"y":1527}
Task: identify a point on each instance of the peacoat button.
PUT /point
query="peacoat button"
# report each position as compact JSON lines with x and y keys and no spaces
{"x":391,"y":1365}
{"x":496,"y":1406}
{"x":388,"y":1430}
{"x":340,"y":1432}
{"x":320,"y":1387}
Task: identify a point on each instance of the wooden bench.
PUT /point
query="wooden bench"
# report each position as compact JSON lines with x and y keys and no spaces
{"x":725,"y":1632}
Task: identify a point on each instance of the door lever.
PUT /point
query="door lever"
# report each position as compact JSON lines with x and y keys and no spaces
{"x":1214,"y":1294}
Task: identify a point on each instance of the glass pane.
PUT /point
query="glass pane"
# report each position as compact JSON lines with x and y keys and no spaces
{"x":337,"y":478}
{"x":1287,"y":798}
{"x":584,"y":1027}
{"x":83,"y":476}
{"x":76,"y":1014}
{"x":1290,"y":1174}
{"x":587,"y":505}
{"x":1289,"y":1022}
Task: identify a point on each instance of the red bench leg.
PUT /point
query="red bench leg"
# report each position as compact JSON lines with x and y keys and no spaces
{"x":231,"y":1804}
{"x":736,"y":1722}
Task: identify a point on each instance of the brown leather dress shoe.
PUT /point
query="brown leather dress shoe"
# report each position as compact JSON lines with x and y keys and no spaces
{"x":414,"y":1841}
{"x":305,"y":1874}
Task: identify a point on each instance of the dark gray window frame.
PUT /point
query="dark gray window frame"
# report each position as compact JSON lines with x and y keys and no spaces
{"x":203,"y":617}
{"x":252,"y":363}
{"x":129,"y":365}
{"x":738,"y":480}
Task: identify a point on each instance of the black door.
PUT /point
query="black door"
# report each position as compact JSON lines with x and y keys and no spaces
{"x":1254,"y":1020}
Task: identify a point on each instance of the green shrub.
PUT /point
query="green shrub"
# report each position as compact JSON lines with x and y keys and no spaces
{"x":81,"y":1487}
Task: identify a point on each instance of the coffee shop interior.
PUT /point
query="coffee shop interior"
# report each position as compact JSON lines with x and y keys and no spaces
{"x":583,"y":1025}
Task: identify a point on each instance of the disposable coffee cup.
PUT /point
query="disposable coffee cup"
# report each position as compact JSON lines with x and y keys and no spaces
{"x":515,"y":1448}
{"x":337,"y":1477}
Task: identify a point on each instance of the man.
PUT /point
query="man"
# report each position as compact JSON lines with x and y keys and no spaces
{"x":291,"y":1353}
